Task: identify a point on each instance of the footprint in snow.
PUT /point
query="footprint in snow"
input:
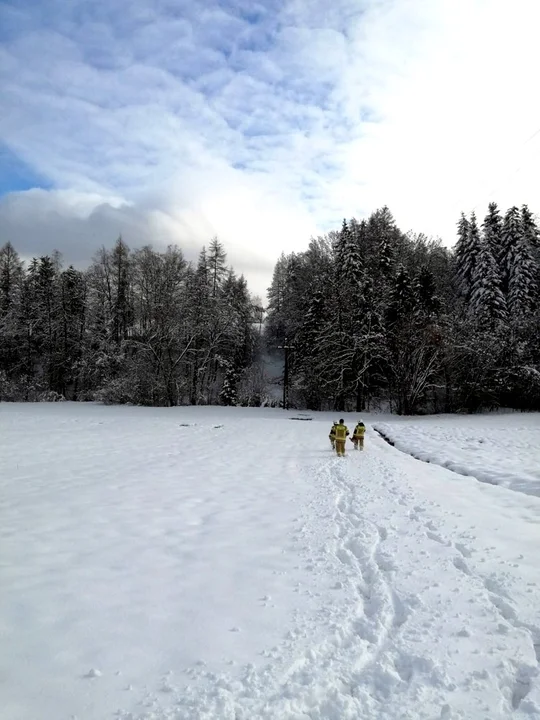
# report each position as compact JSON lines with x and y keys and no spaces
{"x":463,"y":550}
{"x":460,"y":564}
{"x":437,"y":538}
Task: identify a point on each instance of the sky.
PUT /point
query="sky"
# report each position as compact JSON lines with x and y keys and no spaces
{"x":264,"y":123}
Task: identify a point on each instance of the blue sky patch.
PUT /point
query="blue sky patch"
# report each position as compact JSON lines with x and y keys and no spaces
{"x":16,"y":175}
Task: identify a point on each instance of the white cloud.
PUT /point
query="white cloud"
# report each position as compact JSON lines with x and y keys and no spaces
{"x":265,"y":123}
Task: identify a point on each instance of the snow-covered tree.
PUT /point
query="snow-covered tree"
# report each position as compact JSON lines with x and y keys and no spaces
{"x":11,"y":287}
{"x":492,"y":228}
{"x":228,"y":394}
{"x":512,"y":234}
{"x":402,"y":298}
{"x":529,"y":227}
{"x":487,"y":303}
{"x":426,"y":299}
{"x":217,"y":267}
{"x":352,"y":270}
{"x":73,"y":305}
{"x":11,"y":278}
{"x":531,"y":233}
{"x":522,"y":277}
{"x":466,"y":255}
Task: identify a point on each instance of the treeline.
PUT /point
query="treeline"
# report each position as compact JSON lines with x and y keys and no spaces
{"x":373,"y":318}
{"x":141,"y":327}
{"x":377,"y":318}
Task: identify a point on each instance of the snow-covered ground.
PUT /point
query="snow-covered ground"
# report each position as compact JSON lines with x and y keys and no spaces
{"x":207,"y":563}
{"x":501,"y":449}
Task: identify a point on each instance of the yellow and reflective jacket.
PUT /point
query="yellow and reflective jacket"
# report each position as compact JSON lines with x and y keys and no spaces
{"x":359,"y":431}
{"x":332,"y":431}
{"x":341,"y":432}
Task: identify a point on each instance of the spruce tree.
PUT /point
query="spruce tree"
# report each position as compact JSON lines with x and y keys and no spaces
{"x":492,"y":228}
{"x":529,"y":227}
{"x":522,"y":278}
{"x":122,"y":311}
{"x":352,"y":268}
{"x":466,"y":255}
{"x":427,"y":301}
{"x":460,"y":253}
{"x":402,"y":298}
{"x":48,"y":329}
{"x":217,"y":268}
{"x":11,"y":277}
{"x":487,"y":302}
{"x":341,"y":242}
{"x":228,"y":394}
{"x":11,"y":288}
{"x":512,"y":234}
{"x":276,"y":322}
{"x":72,"y":327}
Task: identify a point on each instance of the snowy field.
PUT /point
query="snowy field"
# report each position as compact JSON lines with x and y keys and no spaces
{"x":212,"y":563}
{"x":501,"y":449}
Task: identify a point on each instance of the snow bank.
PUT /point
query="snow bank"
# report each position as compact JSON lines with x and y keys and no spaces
{"x":497,"y":449}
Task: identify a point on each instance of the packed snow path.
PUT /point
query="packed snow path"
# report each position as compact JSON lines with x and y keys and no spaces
{"x":207,"y":563}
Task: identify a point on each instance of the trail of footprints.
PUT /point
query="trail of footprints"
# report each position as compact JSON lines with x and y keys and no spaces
{"x":523,"y":675}
{"x":501,"y":600}
{"x":381,"y":613}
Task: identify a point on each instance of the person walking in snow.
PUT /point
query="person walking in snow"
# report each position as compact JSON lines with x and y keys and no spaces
{"x":332,"y":436}
{"x":340,"y":431}
{"x":358,"y":436}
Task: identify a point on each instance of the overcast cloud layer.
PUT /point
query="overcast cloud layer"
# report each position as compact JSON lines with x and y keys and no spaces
{"x":263,"y":123}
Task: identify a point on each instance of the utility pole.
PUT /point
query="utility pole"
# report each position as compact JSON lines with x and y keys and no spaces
{"x":286,"y":347}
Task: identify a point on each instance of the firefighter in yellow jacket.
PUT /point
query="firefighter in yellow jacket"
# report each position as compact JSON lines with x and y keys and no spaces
{"x":340,"y":432}
{"x":358,"y":436}
{"x":332,"y":436}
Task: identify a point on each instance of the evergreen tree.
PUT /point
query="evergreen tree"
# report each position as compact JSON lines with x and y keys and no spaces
{"x":228,"y":394}
{"x":529,"y":227}
{"x":522,"y":277}
{"x":492,"y":231}
{"x":487,"y":303}
{"x":48,"y":330}
{"x":466,"y":255}
{"x":11,"y":286}
{"x":122,"y":311}
{"x":341,"y":242}
{"x":402,"y":300}
{"x":276,"y":324}
{"x":217,"y":268}
{"x":425,"y":291}
{"x":531,"y":233}
{"x":11,"y":276}
{"x":512,"y":235}
{"x":72,"y":329}
{"x":352,"y":265}
{"x":386,"y":257}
